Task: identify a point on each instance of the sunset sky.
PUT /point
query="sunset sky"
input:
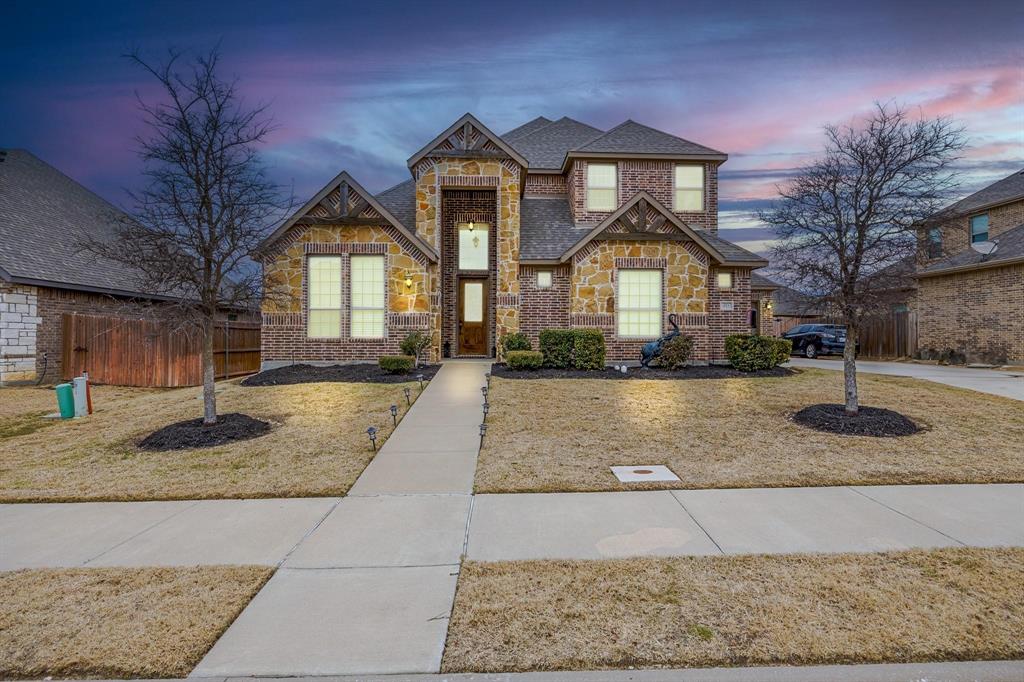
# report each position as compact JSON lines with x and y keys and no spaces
{"x":361,"y":86}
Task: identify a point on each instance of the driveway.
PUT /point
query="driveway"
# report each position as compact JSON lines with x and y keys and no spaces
{"x":995,"y":382}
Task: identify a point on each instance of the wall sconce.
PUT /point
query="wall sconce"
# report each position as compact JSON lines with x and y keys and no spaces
{"x":408,"y":282}
{"x":768,"y":305}
{"x":470,"y":225}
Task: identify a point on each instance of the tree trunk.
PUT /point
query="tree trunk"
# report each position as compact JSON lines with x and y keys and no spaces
{"x":850,"y":370}
{"x":209,"y":395}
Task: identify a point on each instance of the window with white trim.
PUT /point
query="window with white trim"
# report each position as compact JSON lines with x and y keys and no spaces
{"x":689,"y":187}
{"x":543,"y":279}
{"x":367,"y":312}
{"x":601,"y":187}
{"x":323,"y":313}
{"x":724,"y":280}
{"x":639,"y":303}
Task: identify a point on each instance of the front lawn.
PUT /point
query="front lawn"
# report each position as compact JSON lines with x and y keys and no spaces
{"x":923,"y":605}
{"x":118,"y":622}
{"x":317,"y":445}
{"x":550,"y":435}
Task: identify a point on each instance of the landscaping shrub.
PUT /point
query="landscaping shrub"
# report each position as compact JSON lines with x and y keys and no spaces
{"x":588,"y":349}
{"x":396,"y":364}
{"x":751,"y":352}
{"x":675,"y":352}
{"x":413,"y":344}
{"x":556,"y":346}
{"x":524,"y":359}
{"x":515,"y":341}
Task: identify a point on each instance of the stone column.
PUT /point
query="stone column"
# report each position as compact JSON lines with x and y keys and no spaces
{"x":19,"y":324}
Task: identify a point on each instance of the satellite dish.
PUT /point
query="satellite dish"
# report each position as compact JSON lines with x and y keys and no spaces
{"x":985,"y":248}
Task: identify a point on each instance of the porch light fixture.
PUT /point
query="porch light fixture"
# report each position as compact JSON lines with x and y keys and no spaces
{"x":768,"y":305}
{"x":372,"y":433}
{"x":407,"y":391}
{"x":394,"y":415}
{"x":487,"y":408}
{"x":470,"y":225}
{"x":408,"y":282}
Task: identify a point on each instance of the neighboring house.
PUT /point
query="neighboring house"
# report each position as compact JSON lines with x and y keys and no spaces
{"x":43,"y":271}
{"x":791,"y":308}
{"x":555,"y":224}
{"x":970,"y":301}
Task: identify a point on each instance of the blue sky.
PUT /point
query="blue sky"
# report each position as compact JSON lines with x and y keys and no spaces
{"x":361,"y":86}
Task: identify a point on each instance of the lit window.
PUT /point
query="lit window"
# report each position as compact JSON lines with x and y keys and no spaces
{"x":934,"y":242}
{"x":601,"y":187}
{"x":639,"y":303}
{"x":323,"y":319}
{"x":725,"y":280}
{"x":979,"y":228}
{"x":473,"y":246}
{"x":543,"y":279}
{"x":689,"y":187}
{"x":367,"y":297}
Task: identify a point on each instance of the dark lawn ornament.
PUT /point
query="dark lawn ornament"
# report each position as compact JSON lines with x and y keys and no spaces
{"x":652,"y":349}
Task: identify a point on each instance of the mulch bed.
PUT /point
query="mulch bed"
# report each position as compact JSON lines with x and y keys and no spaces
{"x":694,"y":372}
{"x":869,"y":421}
{"x":194,"y":434}
{"x":364,"y":373}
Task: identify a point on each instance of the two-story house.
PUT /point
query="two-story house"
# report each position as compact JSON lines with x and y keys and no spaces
{"x":970,"y":277}
{"x":555,"y":224}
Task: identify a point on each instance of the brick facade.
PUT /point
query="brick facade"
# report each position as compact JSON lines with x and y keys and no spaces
{"x":462,"y":206}
{"x":956,"y":231}
{"x":543,"y":308}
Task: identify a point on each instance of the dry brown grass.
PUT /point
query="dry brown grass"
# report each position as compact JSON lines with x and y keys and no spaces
{"x":118,"y":622}
{"x":318,"y":446}
{"x":563,"y":435}
{"x":947,"y":604}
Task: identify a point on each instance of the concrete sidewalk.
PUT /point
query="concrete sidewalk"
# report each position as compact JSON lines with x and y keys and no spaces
{"x":995,"y":382}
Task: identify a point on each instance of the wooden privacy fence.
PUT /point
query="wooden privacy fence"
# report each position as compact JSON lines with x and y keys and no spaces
{"x":127,"y":352}
{"x":892,"y":336}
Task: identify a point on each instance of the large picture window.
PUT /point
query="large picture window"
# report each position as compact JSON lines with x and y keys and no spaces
{"x":473,"y":246}
{"x":323,"y":314}
{"x":367,"y":297}
{"x":601,"y":191}
{"x":689,"y":188}
{"x":639,"y":303}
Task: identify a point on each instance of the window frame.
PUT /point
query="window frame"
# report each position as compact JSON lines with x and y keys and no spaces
{"x":310,"y":309}
{"x":934,"y":242}
{"x":614,"y":188}
{"x":482,"y":227}
{"x":718,"y":280}
{"x":551,"y":279}
{"x":353,"y":308}
{"x":970,"y":228}
{"x":620,"y":308}
{"x":702,"y":188}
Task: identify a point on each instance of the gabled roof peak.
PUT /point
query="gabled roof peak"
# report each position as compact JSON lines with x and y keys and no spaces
{"x":467,"y":137}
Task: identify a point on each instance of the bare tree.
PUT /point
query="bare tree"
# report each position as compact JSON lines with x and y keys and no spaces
{"x":847,"y":222}
{"x":206,"y":205}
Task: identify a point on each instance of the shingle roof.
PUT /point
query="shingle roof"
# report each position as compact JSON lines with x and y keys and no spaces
{"x":44,"y":216}
{"x":526,"y":129}
{"x":1010,"y":249}
{"x":631,"y":137}
{"x":789,"y":302}
{"x":731,"y":252}
{"x":546,"y":146}
{"x":546,"y":229}
{"x":401,"y":201}
{"x":1007,"y":189}
{"x":759,"y":281}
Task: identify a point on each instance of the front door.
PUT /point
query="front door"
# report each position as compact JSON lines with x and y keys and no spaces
{"x":472,"y":316}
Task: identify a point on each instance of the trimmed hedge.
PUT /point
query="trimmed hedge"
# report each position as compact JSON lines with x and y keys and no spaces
{"x":524,"y":359}
{"x":587,"y":349}
{"x":572,"y":348}
{"x":515,"y":341}
{"x":751,"y":352}
{"x":397,"y":364}
{"x":675,"y":352}
{"x":556,"y":346}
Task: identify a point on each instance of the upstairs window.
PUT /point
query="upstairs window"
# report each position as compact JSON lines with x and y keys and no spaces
{"x":601,"y":188}
{"x":323,"y":314}
{"x":689,"y":188}
{"x":979,"y":228}
{"x":367,"y":297}
{"x":639,"y":303}
{"x":473,"y":246}
{"x":934,"y":242}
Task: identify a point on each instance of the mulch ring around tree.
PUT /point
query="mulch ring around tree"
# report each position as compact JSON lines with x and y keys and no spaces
{"x":869,"y":421}
{"x":194,"y":434}
{"x":363,"y":373}
{"x":693,"y":372}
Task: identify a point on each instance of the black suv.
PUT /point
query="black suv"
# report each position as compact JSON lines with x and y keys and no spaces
{"x":812,"y":340}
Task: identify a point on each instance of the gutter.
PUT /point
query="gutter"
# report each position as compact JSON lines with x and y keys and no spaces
{"x":983,"y":265}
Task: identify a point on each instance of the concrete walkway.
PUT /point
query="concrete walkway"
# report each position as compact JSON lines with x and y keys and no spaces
{"x":996,"y":382}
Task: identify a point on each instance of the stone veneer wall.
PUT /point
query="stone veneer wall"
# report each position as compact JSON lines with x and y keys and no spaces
{"x":655,"y":177}
{"x":19,"y":324}
{"x":979,"y":314}
{"x":284,"y":317}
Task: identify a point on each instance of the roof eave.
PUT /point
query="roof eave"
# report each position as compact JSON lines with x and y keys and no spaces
{"x":984,"y":265}
{"x":720,"y":157}
{"x":70,"y":286}
{"x":983,"y":207}
{"x":540,"y":261}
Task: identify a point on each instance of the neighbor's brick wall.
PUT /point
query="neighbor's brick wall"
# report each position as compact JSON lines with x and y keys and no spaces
{"x":19,"y":328}
{"x":978,"y":313}
{"x":956,"y":232}
{"x":655,"y":177}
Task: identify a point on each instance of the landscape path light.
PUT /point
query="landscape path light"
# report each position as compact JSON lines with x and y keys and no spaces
{"x":487,"y":408}
{"x":483,"y":389}
{"x":394,"y":415}
{"x":483,"y":430}
{"x":407,"y":391}
{"x":419,"y":378}
{"x":487,"y":375}
{"x":372,"y":433}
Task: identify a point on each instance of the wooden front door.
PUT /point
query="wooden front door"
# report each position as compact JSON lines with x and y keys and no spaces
{"x":473,"y":295}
